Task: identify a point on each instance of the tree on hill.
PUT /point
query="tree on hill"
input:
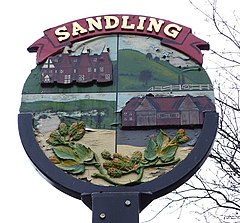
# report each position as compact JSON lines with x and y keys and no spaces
{"x":145,"y":76}
{"x":149,"y":56}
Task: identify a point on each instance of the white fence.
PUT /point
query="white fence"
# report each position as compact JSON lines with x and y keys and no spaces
{"x":183,"y":87}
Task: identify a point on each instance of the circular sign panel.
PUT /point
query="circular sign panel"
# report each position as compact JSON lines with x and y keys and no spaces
{"x":117,"y":111}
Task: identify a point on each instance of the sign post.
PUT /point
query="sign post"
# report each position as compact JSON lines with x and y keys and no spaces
{"x":118,"y":111}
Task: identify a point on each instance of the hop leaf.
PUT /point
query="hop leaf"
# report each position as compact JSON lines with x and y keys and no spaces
{"x":84,"y":153}
{"x":162,"y":139}
{"x":168,"y":153}
{"x":150,"y":152}
{"x":72,"y":167}
{"x":65,"y":153}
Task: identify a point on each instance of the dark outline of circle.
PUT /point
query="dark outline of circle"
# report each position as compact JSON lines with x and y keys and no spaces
{"x":157,"y":187}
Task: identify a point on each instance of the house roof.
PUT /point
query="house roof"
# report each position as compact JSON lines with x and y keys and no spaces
{"x":170,"y":104}
{"x":66,"y":61}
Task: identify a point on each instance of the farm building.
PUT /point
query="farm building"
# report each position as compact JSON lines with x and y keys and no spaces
{"x":65,"y":69}
{"x":165,"y":111}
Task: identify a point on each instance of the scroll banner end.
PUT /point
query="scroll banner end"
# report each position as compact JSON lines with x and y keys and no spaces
{"x":191,"y":46}
{"x":44,"y":49}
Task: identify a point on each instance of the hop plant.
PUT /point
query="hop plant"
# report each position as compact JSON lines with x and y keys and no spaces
{"x":117,"y":155}
{"x":115,"y":173}
{"x":76,"y":131}
{"x":136,"y":157}
{"x":107,"y":164}
{"x":106,"y":155}
{"x":181,"y":131}
{"x":55,"y":138}
{"x":78,"y":135}
{"x":118,"y":163}
{"x":126,"y":159}
{"x":181,"y":137}
{"x":63,"y":129}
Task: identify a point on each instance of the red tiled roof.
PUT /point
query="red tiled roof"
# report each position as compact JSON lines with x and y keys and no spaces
{"x":170,"y":104}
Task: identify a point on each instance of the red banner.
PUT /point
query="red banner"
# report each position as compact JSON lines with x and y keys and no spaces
{"x":171,"y":34}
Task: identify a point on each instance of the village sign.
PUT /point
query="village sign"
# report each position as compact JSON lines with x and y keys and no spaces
{"x":118,"y":111}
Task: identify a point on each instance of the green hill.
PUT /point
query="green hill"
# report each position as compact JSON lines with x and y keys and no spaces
{"x":137,"y":72}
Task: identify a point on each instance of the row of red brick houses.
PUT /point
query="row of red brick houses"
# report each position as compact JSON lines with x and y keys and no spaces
{"x":85,"y":68}
{"x":165,"y":111}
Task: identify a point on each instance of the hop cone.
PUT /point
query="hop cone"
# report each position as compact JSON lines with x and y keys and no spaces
{"x":115,"y":173}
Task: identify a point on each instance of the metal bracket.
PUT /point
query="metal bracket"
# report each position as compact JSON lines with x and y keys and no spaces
{"x":115,"y":207}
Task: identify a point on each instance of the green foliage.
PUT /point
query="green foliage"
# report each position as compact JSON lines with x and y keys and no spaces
{"x":150,"y":152}
{"x":84,"y":153}
{"x":158,"y":153}
{"x":64,"y":135}
{"x":164,"y":149}
{"x":65,"y":153}
{"x":73,"y":159}
{"x":72,"y":156}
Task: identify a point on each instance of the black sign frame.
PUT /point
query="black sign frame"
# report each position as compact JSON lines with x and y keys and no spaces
{"x":148,"y":191}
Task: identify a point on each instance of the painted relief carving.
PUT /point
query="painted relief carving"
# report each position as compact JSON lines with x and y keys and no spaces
{"x":73,"y":157}
{"x":117,"y":109}
{"x":85,"y":68}
{"x":165,"y":111}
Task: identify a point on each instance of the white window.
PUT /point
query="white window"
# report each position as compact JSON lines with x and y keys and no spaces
{"x":101,"y":69}
{"x":107,"y":76}
{"x":67,"y":79}
{"x":167,"y":115}
{"x":174,"y":115}
{"x":89,"y":69}
{"x":46,"y":79}
{"x":81,"y":77}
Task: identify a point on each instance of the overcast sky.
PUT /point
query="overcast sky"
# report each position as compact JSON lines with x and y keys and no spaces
{"x":24,"y":195}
